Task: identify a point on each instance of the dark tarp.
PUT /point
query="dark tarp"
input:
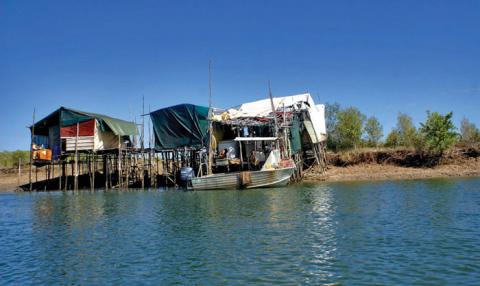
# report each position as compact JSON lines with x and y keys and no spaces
{"x":179,"y":126}
{"x":66,"y":117}
{"x":296,"y":140}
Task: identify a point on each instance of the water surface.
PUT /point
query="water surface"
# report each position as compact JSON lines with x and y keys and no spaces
{"x":424,"y":232}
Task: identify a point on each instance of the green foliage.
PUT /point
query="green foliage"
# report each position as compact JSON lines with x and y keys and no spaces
{"x":10,"y":159}
{"x":406,"y":130}
{"x":393,"y":139}
{"x":469,"y":132}
{"x":374,"y":131}
{"x":438,"y":132}
{"x":331,"y":114}
{"x":349,"y":127}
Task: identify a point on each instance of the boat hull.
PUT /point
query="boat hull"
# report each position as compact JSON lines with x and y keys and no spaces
{"x":246,"y":179}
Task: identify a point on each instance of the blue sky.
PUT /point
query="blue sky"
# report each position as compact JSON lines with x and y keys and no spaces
{"x":102,"y":56}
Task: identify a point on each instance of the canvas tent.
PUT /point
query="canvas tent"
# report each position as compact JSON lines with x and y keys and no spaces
{"x":183,"y":125}
{"x":95,"y":131}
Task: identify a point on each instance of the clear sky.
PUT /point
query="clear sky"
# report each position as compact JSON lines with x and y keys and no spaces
{"x":102,"y":56}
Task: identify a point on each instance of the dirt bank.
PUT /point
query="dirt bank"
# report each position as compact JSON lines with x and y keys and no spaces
{"x":9,"y":180}
{"x":360,"y":165}
{"x":397,"y":164}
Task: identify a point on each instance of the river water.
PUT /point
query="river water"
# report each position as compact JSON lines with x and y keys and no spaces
{"x":423,"y":232}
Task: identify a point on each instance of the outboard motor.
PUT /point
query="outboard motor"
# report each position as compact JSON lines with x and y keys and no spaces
{"x":186,"y":175}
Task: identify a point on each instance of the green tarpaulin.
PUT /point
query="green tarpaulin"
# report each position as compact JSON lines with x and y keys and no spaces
{"x":179,"y":126}
{"x":66,"y":117}
{"x":296,"y":140}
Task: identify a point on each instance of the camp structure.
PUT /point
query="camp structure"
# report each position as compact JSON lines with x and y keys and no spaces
{"x":67,"y":130}
{"x":80,"y":139}
{"x":257,"y":144}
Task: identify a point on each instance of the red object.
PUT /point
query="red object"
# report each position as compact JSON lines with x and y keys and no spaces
{"x":287,"y":163}
{"x":86,"y":128}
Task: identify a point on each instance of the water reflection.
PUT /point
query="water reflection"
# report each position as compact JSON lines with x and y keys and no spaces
{"x":355,"y":233}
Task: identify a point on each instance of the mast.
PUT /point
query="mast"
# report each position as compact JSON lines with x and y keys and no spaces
{"x":274,"y":115}
{"x":273,"y":110}
{"x":210,"y":127}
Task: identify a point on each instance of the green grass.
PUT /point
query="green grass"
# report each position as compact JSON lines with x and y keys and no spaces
{"x":9,"y":159}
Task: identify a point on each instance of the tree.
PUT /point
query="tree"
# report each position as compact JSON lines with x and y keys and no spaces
{"x":407,"y":132}
{"x":374,"y":131}
{"x":438,"y":132}
{"x":349,"y":127}
{"x":469,"y":132}
{"x":393,"y":139}
{"x":331,"y":114}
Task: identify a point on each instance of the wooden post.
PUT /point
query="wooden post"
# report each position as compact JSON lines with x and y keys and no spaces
{"x":60,"y":174}
{"x":65,"y":172}
{"x":105,"y":171}
{"x":19,"y":170}
{"x":127,"y":175}
{"x":94,"y":167}
{"x":119,"y":163}
{"x":75,"y":178}
{"x":142,"y":142}
{"x":31,"y":149}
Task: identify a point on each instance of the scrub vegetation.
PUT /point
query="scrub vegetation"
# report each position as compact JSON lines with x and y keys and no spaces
{"x":349,"y":129}
{"x":11,"y":159}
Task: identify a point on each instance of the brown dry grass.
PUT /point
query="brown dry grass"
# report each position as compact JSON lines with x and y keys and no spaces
{"x":389,"y":164}
{"x":9,"y":180}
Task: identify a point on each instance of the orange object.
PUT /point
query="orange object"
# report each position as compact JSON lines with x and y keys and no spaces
{"x":42,"y":154}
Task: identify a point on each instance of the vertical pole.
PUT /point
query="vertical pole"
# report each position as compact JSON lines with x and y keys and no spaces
{"x":105,"y":171}
{"x":142,"y":145}
{"x":19,"y":170}
{"x":94,"y":167}
{"x":273,"y":109}
{"x":31,"y":149}
{"x":65,"y":172}
{"x":75,"y":174}
{"x":210,"y":126}
{"x":89,"y":163}
{"x":119,"y":161}
{"x":128,"y":159}
{"x":60,"y":174}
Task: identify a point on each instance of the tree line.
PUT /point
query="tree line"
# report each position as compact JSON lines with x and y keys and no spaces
{"x":10,"y":159}
{"x":348,"y":128}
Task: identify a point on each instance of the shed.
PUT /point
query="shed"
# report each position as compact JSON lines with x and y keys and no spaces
{"x":58,"y":131}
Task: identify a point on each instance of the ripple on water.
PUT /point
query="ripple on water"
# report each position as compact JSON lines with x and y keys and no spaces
{"x":405,"y":232}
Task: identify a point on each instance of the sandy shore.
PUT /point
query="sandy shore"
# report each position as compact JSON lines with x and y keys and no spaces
{"x":358,"y":172}
{"x":373,"y":171}
{"x":9,"y":180}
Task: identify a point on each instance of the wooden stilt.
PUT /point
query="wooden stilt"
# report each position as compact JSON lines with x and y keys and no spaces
{"x":75,"y":175}
{"x":60,"y":174}
{"x":31,"y":150}
{"x":94,"y":169}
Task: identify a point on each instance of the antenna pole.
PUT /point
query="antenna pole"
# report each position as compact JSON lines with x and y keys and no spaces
{"x":273,"y":109}
{"x":210,"y":113}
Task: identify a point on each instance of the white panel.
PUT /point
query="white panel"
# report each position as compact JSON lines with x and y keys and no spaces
{"x":84,"y":143}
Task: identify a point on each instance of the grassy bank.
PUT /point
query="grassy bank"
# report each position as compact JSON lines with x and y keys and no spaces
{"x":387,"y":164}
{"x":11,"y":159}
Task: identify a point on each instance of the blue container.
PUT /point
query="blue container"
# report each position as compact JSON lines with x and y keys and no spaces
{"x":186,"y":174}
